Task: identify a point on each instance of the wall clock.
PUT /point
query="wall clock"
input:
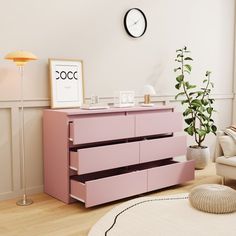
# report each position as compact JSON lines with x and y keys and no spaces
{"x":135,"y":22}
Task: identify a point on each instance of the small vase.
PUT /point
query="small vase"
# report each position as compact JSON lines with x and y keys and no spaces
{"x":200,"y":155}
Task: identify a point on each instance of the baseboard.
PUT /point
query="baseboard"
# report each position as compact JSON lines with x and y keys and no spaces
{"x":19,"y":193}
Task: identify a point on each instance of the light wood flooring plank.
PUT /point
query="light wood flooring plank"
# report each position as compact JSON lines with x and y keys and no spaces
{"x":49,"y":217}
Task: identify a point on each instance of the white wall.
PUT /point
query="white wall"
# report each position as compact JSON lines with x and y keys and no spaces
{"x":93,"y":31}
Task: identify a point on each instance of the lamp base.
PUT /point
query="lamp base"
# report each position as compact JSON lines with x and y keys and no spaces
{"x":24,"y":202}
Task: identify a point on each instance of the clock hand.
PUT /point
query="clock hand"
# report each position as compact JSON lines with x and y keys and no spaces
{"x":135,"y":22}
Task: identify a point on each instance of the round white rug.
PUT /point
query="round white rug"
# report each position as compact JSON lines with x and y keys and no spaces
{"x":163,"y":216}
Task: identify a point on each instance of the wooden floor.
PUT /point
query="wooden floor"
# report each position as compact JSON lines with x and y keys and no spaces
{"x":48,"y":216}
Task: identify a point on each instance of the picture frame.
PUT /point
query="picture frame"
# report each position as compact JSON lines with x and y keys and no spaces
{"x":124,"y":99}
{"x":66,"y":82}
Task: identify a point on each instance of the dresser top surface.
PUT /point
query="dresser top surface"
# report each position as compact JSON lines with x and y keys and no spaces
{"x":78,"y":111}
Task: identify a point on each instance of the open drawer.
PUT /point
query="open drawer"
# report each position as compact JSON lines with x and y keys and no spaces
{"x":115,"y":186}
{"x":106,"y":186}
{"x":95,"y":159}
{"x":170,"y":174}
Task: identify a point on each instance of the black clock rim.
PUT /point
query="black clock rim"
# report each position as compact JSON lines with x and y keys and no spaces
{"x":125,"y":25}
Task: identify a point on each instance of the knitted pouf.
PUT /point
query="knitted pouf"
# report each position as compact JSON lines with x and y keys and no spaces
{"x":213,"y":198}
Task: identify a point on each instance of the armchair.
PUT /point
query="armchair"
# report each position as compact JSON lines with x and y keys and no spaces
{"x":225,"y":166}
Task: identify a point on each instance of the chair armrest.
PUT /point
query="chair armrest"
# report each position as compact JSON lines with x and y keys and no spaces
{"x":218,"y":149}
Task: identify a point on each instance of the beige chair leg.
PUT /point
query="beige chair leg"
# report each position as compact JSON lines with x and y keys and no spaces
{"x":223,"y":180}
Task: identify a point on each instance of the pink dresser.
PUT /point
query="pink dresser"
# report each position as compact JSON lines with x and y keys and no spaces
{"x":98,"y":156}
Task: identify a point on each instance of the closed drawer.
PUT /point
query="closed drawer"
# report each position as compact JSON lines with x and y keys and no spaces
{"x":158,"y":123}
{"x":98,"y":191}
{"x":105,"y":157}
{"x":95,"y":129}
{"x":157,"y":149}
{"x":171,"y":174}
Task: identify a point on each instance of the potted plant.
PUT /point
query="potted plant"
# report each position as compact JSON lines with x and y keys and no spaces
{"x":198,"y":108}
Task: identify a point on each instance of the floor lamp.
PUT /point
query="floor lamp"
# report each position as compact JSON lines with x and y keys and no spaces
{"x":21,"y":58}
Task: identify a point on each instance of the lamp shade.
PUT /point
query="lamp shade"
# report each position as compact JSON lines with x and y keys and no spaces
{"x":20,"y":57}
{"x":149,"y":89}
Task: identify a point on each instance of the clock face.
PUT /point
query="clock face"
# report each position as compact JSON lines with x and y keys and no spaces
{"x":135,"y":22}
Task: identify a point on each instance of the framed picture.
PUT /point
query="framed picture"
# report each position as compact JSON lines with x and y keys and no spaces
{"x":66,"y":79}
{"x":124,"y":99}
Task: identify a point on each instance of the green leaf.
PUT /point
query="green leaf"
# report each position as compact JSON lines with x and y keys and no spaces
{"x":205,"y":80}
{"x":206,"y":90}
{"x":185,"y":49}
{"x":209,"y":110}
{"x":179,"y":94}
{"x":212,"y":85}
{"x":201,"y":132}
{"x":202,"y":116}
{"x":179,"y":50}
{"x":180,"y":78}
{"x":177,"y":86}
{"x":188,"y":67}
{"x":199,"y":93}
{"x":202,"y":109}
{"x":180,"y":55}
{"x":189,"y":120}
{"x":176,"y":69}
{"x":188,"y":59}
{"x":189,"y":130}
{"x":186,"y":84}
{"x":205,"y":102}
{"x":187,"y":71}
{"x":214,"y":128}
{"x":191,"y":86}
{"x":197,"y":102}
{"x":184,"y":101}
{"x":187,"y":112}
{"x":208,"y":129}
{"x":192,"y":93}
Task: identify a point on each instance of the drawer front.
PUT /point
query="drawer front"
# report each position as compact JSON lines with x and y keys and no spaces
{"x":108,"y":189}
{"x":164,"y":176}
{"x":105,"y":157}
{"x":157,"y":149}
{"x":95,"y":129}
{"x":158,"y":123}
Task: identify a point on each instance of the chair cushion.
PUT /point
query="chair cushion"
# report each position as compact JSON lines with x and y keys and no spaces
{"x":231,"y":161}
{"x":231,"y":133}
{"x":228,"y":145}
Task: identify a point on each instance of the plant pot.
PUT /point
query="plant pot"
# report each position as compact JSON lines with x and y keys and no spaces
{"x":200,"y":155}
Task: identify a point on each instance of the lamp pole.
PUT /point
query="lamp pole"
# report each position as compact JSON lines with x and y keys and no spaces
{"x":24,"y":201}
